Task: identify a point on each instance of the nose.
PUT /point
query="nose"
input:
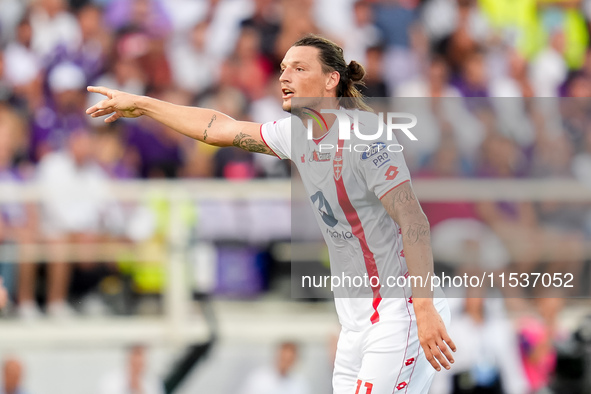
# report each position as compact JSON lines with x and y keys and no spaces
{"x":285,"y":76}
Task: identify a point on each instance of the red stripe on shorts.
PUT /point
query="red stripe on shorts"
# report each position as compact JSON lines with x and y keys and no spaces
{"x":409,"y":329}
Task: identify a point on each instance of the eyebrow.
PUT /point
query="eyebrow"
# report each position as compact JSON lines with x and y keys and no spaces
{"x":295,"y":63}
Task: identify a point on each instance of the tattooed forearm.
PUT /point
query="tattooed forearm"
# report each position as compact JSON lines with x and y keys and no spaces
{"x":416,"y":232}
{"x":211,"y":121}
{"x":213,"y":118}
{"x":403,"y":195}
{"x":248,"y":143}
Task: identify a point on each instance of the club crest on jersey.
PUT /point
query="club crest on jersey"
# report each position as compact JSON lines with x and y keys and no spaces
{"x":337,"y":166}
{"x":319,"y":156}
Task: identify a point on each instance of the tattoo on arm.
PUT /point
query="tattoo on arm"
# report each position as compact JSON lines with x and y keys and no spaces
{"x":211,"y":121}
{"x":403,"y":207}
{"x":404,"y":195}
{"x":416,"y":232}
{"x":213,"y":118}
{"x":248,"y":143}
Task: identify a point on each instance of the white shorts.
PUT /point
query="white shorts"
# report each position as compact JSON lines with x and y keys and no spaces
{"x":386,"y":358}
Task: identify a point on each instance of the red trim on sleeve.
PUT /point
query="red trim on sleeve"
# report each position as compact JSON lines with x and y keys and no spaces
{"x":263,"y":138}
{"x":401,"y":183}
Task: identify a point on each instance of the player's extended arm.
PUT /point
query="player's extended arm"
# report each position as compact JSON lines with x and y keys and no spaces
{"x":403,"y":206}
{"x":207,"y":125}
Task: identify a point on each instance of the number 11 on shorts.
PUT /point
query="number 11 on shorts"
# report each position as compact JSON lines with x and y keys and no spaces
{"x":368,"y":387}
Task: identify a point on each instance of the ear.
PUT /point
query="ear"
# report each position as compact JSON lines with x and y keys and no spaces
{"x":332,"y":80}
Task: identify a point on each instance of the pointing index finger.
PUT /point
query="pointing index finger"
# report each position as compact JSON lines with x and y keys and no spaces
{"x":99,"y":89}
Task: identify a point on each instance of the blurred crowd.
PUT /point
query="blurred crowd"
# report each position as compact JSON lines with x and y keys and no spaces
{"x":132,"y":376}
{"x":500,"y":87}
{"x":225,"y":54}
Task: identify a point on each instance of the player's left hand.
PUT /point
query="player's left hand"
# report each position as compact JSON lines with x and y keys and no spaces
{"x":117,"y":104}
{"x":433,"y":337}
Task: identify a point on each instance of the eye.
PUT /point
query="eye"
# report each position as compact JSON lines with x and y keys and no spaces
{"x":299,"y":69}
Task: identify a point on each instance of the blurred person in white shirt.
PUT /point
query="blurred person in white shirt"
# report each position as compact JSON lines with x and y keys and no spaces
{"x":433,"y":82}
{"x":74,"y":209}
{"x":363,"y":34}
{"x":18,"y":224}
{"x":23,"y":65}
{"x":133,"y":379}
{"x":489,"y":361}
{"x":279,"y":378}
{"x":11,"y":12}
{"x":549,"y":69}
{"x":53,"y":26}
{"x":193,"y":68}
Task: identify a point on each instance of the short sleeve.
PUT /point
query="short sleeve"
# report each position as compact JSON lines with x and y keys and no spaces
{"x":383,"y":166}
{"x":277,"y":136}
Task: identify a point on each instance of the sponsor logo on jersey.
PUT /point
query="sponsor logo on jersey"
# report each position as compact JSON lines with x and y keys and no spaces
{"x":402,"y":385}
{"x":377,"y":153}
{"x":319,"y":156}
{"x":409,"y":361}
{"x":324,"y":209}
{"x":391,"y":173}
{"x":374,"y":149}
{"x":339,"y":234}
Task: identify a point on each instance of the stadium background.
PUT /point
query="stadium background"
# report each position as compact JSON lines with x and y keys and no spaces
{"x":193,"y":240}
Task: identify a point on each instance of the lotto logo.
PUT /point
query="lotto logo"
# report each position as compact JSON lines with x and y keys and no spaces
{"x":401,"y":385}
{"x":402,"y":253}
{"x":409,"y":361}
{"x":410,"y":302}
{"x":391,"y":173}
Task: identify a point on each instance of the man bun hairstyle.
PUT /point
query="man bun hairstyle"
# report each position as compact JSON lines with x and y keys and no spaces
{"x":332,"y":59}
{"x":356,"y":72}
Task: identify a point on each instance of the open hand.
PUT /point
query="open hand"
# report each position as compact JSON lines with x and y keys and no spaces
{"x":117,"y":104}
{"x":434,"y":339}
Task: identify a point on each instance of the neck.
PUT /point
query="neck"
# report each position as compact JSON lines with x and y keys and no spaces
{"x":321,"y":122}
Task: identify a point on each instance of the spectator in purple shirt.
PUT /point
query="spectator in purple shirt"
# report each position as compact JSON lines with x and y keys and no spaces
{"x":53,"y":123}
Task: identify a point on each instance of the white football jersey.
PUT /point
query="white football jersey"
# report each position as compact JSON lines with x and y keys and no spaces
{"x":345,"y":186}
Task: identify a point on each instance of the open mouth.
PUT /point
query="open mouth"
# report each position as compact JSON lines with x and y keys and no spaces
{"x":287,"y":93}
